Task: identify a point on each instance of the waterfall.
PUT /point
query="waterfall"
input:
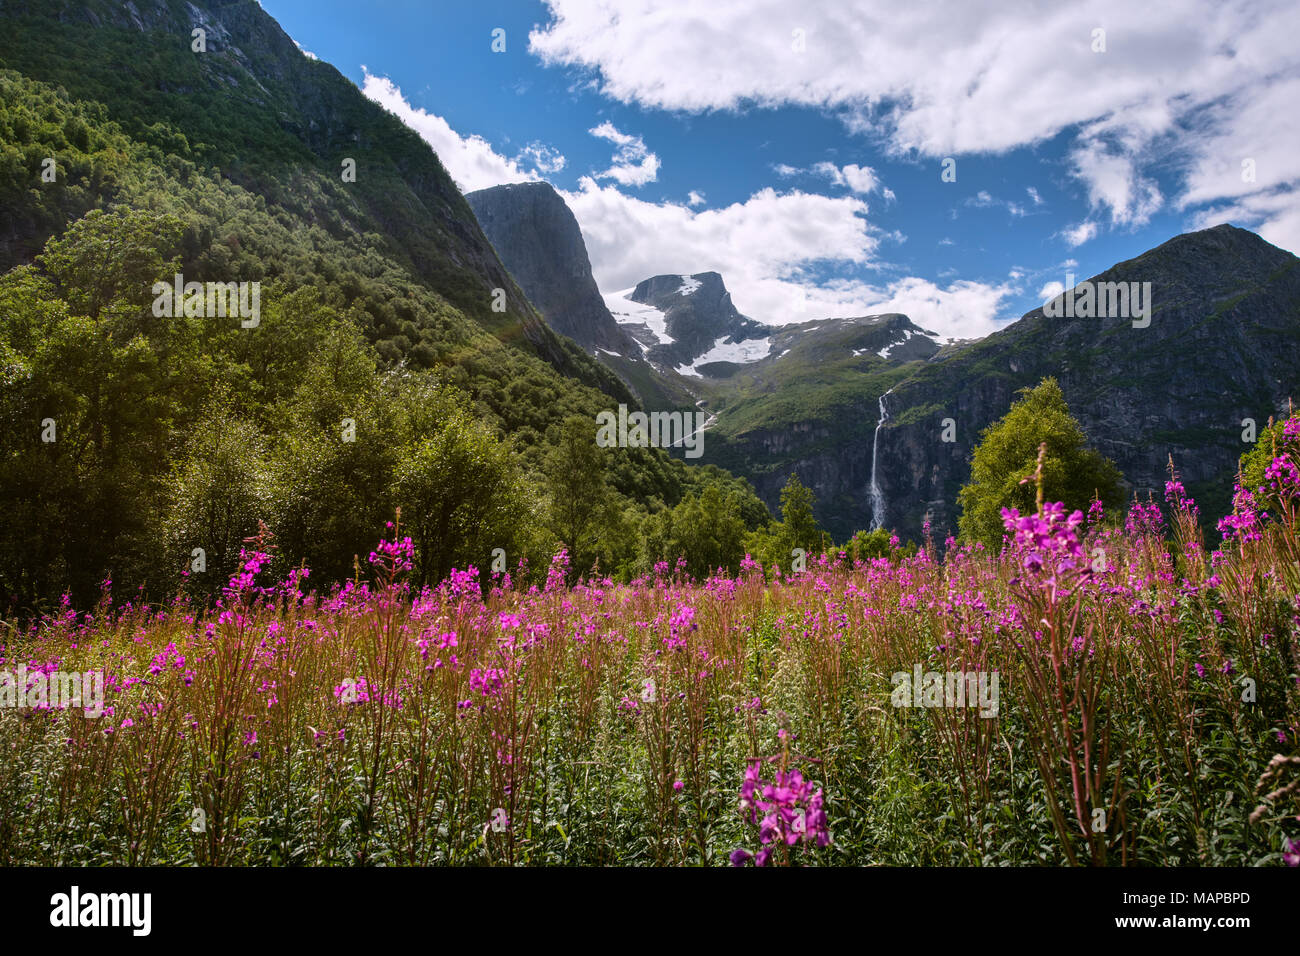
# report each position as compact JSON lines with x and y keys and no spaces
{"x":877,"y":496}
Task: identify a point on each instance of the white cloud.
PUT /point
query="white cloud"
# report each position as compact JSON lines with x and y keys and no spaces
{"x":859,"y":179}
{"x":1078,"y":235}
{"x":1033,"y":194}
{"x":1051,"y":290}
{"x":986,"y":200}
{"x":1113,"y":181}
{"x":545,"y":159}
{"x":634,"y":165}
{"x":769,"y":235}
{"x":976,"y":76}
{"x":962,"y":310}
{"x":1275,"y":216}
{"x":695,"y":198}
{"x":766,"y":248}
{"x":471,"y":160}
{"x":1247,"y":166}
{"x":1193,"y":85}
{"x":305,"y":52}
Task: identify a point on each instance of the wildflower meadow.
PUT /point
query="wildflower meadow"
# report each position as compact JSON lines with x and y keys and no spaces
{"x":1139,"y":705}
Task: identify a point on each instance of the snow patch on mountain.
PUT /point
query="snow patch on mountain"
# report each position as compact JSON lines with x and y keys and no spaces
{"x":908,"y":335}
{"x":627,"y":312}
{"x":689,"y":285}
{"x":741,"y":353}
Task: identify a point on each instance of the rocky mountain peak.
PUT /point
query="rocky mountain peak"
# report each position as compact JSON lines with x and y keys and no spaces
{"x":539,"y":241}
{"x":698,"y":315}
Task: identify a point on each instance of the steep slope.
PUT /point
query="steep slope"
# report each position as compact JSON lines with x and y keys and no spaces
{"x":377,"y":337}
{"x":813,"y":405}
{"x":1223,"y":345}
{"x":539,"y":241}
{"x":277,"y":123}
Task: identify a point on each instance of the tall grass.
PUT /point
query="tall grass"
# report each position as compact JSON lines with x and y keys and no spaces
{"x":1148,"y":714}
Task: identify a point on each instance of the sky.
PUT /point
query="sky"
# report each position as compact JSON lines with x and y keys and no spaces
{"x":953,"y":161}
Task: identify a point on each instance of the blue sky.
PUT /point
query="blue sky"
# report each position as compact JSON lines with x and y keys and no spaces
{"x":797,"y":148}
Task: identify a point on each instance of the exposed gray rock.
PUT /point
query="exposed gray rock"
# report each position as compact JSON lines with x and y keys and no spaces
{"x":538,"y":239}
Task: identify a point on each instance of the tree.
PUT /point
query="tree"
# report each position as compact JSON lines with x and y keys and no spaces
{"x":577,"y":485}
{"x":93,"y":401}
{"x":797,"y":519}
{"x":775,"y":545}
{"x":1273,"y":442}
{"x":1007,"y":452}
{"x":461,"y":497}
{"x":216,"y":496}
{"x":332,"y":464}
{"x":706,"y":529}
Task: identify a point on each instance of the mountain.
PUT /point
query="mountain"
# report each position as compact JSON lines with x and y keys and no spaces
{"x":276,"y":123}
{"x":539,"y":241}
{"x":247,"y":145}
{"x":386,"y":370}
{"x":684,"y":321}
{"x":812,"y":406}
{"x":1223,"y":345}
{"x":891,"y":336}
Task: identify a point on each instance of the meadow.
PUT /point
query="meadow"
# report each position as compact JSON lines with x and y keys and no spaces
{"x":1147,"y":709}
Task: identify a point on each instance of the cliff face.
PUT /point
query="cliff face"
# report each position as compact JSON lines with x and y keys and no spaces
{"x":538,"y":239}
{"x":1223,"y":345}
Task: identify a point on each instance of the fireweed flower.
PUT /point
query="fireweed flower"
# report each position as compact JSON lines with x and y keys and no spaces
{"x":250,"y":564}
{"x":1176,"y":496}
{"x":396,"y":555}
{"x":1048,"y":540}
{"x":1096,"y":513}
{"x":1144,"y":520}
{"x":786,"y":810}
{"x":1245,"y":519}
{"x":680,"y":623}
{"x":487,"y":681}
{"x":1283,"y":476}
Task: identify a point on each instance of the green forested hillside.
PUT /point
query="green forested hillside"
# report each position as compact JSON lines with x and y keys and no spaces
{"x":378,"y":377}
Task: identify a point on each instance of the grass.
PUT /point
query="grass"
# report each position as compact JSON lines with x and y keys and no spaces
{"x":613,"y":724}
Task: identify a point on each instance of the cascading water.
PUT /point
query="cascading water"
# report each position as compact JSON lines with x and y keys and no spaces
{"x":877,"y":496}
